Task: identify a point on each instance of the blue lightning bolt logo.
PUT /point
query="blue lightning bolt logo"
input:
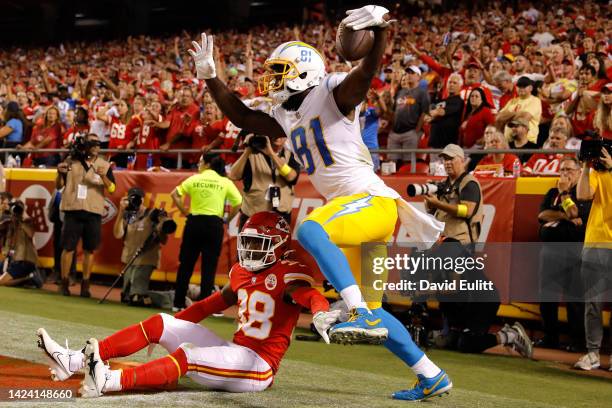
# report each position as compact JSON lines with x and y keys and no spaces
{"x":352,"y":207}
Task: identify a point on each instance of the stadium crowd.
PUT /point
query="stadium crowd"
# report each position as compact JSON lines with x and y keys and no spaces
{"x":541,"y":77}
{"x":485,"y":78}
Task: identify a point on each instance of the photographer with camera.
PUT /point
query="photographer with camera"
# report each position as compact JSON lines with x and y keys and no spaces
{"x":85,"y":175}
{"x":145,"y":229}
{"x":595,"y":184}
{"x":268,"y":172}
{"x":209,"y":190}
{"x":18,"y":250}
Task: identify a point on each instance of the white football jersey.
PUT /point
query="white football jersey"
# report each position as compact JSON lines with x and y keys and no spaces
{"x":329,"y":145}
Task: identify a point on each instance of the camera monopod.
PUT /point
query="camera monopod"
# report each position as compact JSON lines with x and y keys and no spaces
{"x":150,"y":239}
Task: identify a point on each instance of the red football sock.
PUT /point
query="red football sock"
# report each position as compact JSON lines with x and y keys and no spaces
{"x":156,"y":373}
{"x":132,"y":339}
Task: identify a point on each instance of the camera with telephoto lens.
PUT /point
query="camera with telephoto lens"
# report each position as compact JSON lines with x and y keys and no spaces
{"x":162,"y":223}
{"x":16,"y":208}
{"x":590,"y":151}
{"x":439,"y":188}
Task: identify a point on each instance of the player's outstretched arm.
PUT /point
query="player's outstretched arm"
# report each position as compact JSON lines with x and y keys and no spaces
{"x":355,"y":86}
{"x":215,"y":303}
{"x":230,"y":104}
{"x":306,"y":296}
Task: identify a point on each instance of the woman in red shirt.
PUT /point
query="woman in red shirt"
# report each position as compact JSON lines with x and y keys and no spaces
{"x":47,"y":134}
{"x":477,"y":117}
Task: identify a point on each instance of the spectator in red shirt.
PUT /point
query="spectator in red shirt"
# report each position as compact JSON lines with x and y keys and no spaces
{"x":206,"y":135}
{"x":145,"y":137}
{"x":477,"y":117}
{"x":503,"y":80}
{"x":544,"y":164}
{"x":118,"y":138}
{"x":179,"y":123}
{"x":583,"y":105}
{"x":80,"y":126}
{"x":46,"y":135}
{"x":494,"y":139}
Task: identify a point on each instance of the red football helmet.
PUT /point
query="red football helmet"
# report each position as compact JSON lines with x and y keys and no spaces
{"x":264,"y":238}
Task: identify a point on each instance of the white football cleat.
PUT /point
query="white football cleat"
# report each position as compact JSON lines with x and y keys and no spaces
{"x":96,"y":373}
{"x":63,"y":362}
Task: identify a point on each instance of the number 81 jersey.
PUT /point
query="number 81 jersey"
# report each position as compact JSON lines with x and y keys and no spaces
{"x":329,"y":145}
{"x":266,"y":319}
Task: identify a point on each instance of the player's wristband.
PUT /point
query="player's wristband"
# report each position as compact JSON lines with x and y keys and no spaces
{"x":462,"y":211}
{"x":567,"y":203}
{"x":285,"y":170}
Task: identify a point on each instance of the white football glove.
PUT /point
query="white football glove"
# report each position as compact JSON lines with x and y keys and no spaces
{"x":367,"y":16}
{"x":203,"y":58}
{"x":323,"y":321}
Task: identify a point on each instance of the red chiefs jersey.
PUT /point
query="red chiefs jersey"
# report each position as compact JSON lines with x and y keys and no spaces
{"x":117,"y":134}
{"x":265,"y":319}
{"x":543,"y":164}
{"x":146,"y":137}
{"x":203,"y":135}
{"x":71,"y":133}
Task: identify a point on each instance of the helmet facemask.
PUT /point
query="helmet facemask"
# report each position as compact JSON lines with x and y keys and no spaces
{"x":257,"y":251}
{"x":274,"y":81}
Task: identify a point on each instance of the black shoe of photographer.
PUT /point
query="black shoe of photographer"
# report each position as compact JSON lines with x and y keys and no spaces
{"x":85,"y":289}
{"x":64,"y":287}
{"x":36,"y":279}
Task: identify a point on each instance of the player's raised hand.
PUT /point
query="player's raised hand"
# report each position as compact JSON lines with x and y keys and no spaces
{"x":203,"y":57}
{"x":367,"y":16}
{"x":323,"y":321}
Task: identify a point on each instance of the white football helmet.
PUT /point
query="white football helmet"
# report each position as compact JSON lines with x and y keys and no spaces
{"x":292,"y":67}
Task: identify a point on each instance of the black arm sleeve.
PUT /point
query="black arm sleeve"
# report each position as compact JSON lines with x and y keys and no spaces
{"x":110,"y":175}
{"x":247,"y":177}
{"x":470,"y":192}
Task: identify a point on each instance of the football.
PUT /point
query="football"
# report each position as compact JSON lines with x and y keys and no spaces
{"x":353,"y":45}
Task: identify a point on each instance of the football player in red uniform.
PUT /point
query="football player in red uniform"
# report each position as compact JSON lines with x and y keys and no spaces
{"x":270,"y":292}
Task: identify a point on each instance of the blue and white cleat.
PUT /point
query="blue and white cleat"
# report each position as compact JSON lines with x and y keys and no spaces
{"x":362,"y":327}
{"x":426,"y":388}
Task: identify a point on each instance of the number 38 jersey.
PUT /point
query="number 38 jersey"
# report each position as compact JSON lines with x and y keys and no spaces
{"x":329,"y":145}
{"x":265,"y":318}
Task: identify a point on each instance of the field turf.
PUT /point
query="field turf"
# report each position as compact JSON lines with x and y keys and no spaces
{"x":311,"y":375}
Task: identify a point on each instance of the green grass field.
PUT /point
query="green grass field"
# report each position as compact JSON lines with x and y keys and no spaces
{"x":311,"y":375}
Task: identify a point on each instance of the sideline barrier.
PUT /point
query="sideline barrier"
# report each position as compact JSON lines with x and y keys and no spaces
{"x":511,"y":208}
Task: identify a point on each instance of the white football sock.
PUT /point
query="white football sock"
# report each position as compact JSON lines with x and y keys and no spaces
{"x":113,"y":381}
{"x":425,"y":367}
{"x":352,"y":296}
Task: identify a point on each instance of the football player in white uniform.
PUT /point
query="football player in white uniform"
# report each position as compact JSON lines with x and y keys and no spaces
{"x":319,"y":114}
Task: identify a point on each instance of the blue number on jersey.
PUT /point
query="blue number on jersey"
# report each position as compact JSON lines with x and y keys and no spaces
{"x":302,"y":149}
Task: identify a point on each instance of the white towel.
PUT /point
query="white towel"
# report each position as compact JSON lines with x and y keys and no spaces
{"x":422,"y":228}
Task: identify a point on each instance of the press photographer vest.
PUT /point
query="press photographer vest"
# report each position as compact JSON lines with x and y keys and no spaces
{"x":264,"y":174}
{"x":136,"y":234}
{"x":21,"y":244}
{"x":465,"y":230}
{"x":94,"y":200}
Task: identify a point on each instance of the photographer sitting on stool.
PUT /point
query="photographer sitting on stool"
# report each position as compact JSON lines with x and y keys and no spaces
{"x":18,"y":251}
{"x":136,"y":223}
{"x":85,"y":176}
{"x":268,"y":172}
